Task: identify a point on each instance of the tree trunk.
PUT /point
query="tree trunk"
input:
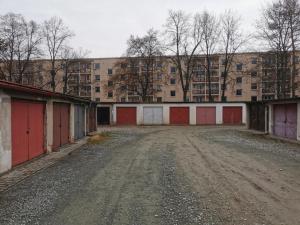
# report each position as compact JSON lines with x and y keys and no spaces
{"x":53,"y":73}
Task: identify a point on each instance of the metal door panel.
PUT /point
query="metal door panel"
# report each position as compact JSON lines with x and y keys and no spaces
{"x":126,"y":115}
{"x":157,"y":115}
{"x":206,"y":115}
{"x":19,"y":129}
{"x":279,"y":120}
{"x":36,"y":129}
{"x":179,"y":115}
{"x":232,"y":115}
{"x":291,"y":121}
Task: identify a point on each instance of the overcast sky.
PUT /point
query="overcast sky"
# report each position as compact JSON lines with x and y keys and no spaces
{"x":103,"y":26}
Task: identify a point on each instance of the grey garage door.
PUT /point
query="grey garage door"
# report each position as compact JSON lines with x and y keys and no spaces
{"x":79,"y":122}
{"x":153,"y":115}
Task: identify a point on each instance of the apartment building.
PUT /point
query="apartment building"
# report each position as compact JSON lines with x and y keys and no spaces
{"x":250,"y":78}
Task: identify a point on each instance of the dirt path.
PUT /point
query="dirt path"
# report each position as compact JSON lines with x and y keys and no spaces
{"x":164,"y":175}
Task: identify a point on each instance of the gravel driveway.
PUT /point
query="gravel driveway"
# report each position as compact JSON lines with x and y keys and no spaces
{"x":162,"y":176}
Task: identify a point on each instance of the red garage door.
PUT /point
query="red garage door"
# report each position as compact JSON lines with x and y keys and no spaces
{"x":232,"y":115}
{"x":285,"y":120}
{"x":206,"y":115}
{"x":27,"y":118}
{"x":179,"y":115}
{"x":126,"y":115}
{"x":61,"y":124}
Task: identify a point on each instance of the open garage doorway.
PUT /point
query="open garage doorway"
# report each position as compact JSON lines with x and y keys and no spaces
{"x":103,"y":115}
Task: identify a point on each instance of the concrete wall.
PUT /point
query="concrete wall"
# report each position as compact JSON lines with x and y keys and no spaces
{"x":5,"y":132}
{"x":192,"y":106}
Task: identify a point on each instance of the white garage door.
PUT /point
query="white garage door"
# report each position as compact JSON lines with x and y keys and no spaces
{"x":153,"y":115}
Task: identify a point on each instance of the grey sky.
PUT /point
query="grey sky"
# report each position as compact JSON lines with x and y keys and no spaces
{"x":104,"y":26}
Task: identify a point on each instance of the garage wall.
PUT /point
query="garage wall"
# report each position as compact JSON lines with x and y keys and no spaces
{"x":192,"y":111}
{"x":5,"y":132}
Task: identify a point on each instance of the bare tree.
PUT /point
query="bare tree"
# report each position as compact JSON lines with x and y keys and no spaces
{"x":292,"y":10}
{"x":183,"y":39}
{"x":135,"y":74}
{"x":56,"y":34}
{"x":210,"y":29}
{"x":274,"y":30}
{"x":232,"y":39}
{"x":20,"y":43}
{"x":69,"y":57}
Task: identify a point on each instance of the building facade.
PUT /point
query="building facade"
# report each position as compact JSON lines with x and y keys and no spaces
{"x":251,"y":77}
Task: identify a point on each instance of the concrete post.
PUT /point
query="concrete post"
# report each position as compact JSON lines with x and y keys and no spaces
{"x":49,"y":124}
{"x":5,"y":133}
{"x":72,"y":121}
{"x":193,"y":114}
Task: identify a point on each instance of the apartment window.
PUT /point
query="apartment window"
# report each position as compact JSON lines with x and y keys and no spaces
{"x":172,"y":93}
{"x":159,"y":99}
{"x":239,"y":66}
{"x":97,"y":89}
{"x":239,"y":92}
{"x":173,"y":69}
{"x":172,"y":81}
{"x":223,"y":62}
{"x":97,"y":99}
{"x":159,"y":88}
{"x":254,"y":98}
{"x":159,"y":76}
{"x":254,"y":86}
{"x":110,"y":94}
{"x":109,"y":83}
{"x":97,"y":77}
{"x":123,"y":99}
{"x":253,"y":73}
{"x":254,"y":61}
{"x":110,"y":71}
{"x":239,"y":80}
{"x":96,"y":66}
{"x":223,"y":74}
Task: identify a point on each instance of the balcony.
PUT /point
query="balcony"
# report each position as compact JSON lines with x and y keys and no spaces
{"x":198,"y":92}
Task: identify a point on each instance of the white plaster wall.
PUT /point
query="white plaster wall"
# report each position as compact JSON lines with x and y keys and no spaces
{"x":5,"y":133}
{"x":271,"y":108}
{"x":192,"y":111}
{"x":72,"y":125}
{"x":49,"y":125}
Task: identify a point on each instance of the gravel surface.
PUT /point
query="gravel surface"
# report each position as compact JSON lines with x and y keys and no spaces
{"x":164,"y":175}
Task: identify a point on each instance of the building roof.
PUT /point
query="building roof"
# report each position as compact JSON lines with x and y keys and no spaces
{"x":19,"y":88}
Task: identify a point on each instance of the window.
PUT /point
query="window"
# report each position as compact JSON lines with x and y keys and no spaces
{"x":172,"y":93}
{"x":110,"y":71}
{"x":97,"y":89}
{"x":123,"y":99}
{"x":239,"y":92}
{"x":172,"y":81}
{"x":253,"y":73}
{"x":97,"y":77}
{"x":223,"y":62}
{"x":97,"y":99}
{"x":239,"y":80}
{"x":109,"y":83}
{"x":254,"y":86}
{"x":254,"y":61}
{"x":223,"y":74}
{"x":159,"y":76}
{"x":158,"y":88}
{"x":254,"y":98}
{"x":96,"y":66}
{"x":110,"y":94}
{"x":159,"y":99}
{"x":173,"y":69}
{"x":239,"y":66}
